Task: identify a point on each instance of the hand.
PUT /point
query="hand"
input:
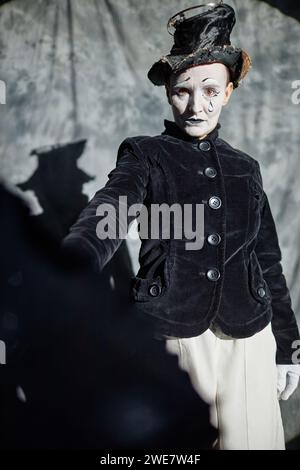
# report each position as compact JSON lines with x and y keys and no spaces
{"x":287,"y":380}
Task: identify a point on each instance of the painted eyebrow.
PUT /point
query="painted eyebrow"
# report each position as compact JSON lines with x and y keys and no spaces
{"x":216,"y":83}
{"x":178,"y":85}
{"x":181,"y":83}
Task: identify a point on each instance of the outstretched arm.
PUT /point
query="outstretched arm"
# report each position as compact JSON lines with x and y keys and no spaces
{"x":129,"y":178}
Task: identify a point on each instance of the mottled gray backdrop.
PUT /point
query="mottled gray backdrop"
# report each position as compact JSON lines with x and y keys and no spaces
{"x":77,"y":69}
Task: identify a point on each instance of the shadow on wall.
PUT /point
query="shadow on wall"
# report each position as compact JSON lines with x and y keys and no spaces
{"x":78,"y":373}
{"x":57,"y":183}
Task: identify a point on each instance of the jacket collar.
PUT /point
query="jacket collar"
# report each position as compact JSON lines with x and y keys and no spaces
{"x":173,"y":130}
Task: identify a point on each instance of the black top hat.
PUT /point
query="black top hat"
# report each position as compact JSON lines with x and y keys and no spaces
{"x":202,"y":39}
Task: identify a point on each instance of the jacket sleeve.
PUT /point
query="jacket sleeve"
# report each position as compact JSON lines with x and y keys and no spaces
{"x":268,"y":252}
{"x":129,"y":178}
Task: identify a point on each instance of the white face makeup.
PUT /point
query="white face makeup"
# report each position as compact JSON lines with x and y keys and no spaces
{"x":197,"y":96}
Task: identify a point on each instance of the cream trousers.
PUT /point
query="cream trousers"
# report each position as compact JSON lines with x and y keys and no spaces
{"x":238,"y":378}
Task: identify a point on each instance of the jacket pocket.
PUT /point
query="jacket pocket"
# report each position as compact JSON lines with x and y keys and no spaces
{"x":258,"y":287}
{"x":144,"y":290}
{"x":153,"y":279}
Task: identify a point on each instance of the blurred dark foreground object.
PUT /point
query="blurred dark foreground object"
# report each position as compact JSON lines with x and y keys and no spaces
{"x":78,"y":374}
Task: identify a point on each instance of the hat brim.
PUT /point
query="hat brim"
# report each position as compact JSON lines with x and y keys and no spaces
{"x":237,"y":60}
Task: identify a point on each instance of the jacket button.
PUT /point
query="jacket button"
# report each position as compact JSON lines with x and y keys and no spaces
{"x":210,"y":172}
{"x":204,"y":146}
{"x":154,"y":290}
{"x":261,"y":292}
{"x":214,"y":239}
{"x":213,"y":274}
{"x":215,"y":202}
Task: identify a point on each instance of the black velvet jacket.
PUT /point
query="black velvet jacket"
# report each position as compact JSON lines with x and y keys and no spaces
{"x":235,"y":281}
